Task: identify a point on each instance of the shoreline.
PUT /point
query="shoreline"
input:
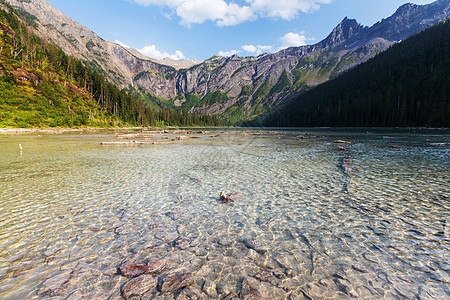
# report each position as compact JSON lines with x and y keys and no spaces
{"x":57,"y":131}
{"x":20,"y":131}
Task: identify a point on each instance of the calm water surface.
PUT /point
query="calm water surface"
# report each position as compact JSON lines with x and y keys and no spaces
{"x":311,"y":221}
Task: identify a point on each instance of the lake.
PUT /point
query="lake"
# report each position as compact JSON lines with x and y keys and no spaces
{"x":309,"y":219}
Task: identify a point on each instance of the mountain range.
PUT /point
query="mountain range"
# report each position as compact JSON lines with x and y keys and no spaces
{"x":408,"y":85}
{"x":238,"y":88}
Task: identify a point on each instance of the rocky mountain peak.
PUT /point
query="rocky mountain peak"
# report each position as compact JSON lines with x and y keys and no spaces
{"x":405,"y":8}
{"x":344,"y":31}
{"x":409,"y":19}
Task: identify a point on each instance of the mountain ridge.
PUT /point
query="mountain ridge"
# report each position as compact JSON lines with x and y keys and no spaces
{"x":406,"y":86}
{"x":240,"y":88}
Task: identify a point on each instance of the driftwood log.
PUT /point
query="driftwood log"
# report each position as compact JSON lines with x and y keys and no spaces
{"x":342,"y":142}
{"x":132,"y":143}
{"x":225,"y":199}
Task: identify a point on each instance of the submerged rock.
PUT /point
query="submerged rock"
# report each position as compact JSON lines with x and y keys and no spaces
{"x":156,"y":265}
{"x":256,"y":245}
{"x":54,"y":285}
{"x":153,"y":225}
{"x":347,"y":163}
{"x":174,"y":215}
{"x":210,"y":289}
{"x":125,"y":229}
{"x":131,"y":269}
{"x":189,"y":293}
{"x":51,"y":251}
{"x":250,"y":289}
{"x":138,"y":286}
{"x":173,"y":282}
{"x":182,"y":243}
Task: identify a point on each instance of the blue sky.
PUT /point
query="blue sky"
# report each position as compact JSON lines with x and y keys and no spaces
{"x":199,"y":29}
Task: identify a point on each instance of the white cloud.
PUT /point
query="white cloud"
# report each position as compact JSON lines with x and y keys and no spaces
{"x":293,"y":40}
{"x":228,"y":53}
{"x":227,"y":12}
{"x":152,"y":52}
{"x":122,"y":44}
{"x":236,"y":15}
{"x":170,"y":3}
{"x":285,"y":9}
{"x":199,"y":11}
{"x":257,"y":50}
{"x":290,"y":39}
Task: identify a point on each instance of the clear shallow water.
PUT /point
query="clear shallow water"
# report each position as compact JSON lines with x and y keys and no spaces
{"x":72,"y":211}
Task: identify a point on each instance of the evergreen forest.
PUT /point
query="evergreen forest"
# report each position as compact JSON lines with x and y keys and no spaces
{"x":406,"y":86}
{"x":41,"y":86}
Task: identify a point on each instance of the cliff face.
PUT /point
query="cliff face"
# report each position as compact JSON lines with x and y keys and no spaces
{"x":238,"y":87}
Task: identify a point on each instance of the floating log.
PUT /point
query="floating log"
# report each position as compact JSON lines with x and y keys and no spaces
{"x":342,"y":149}
{"x":440,"y":144}
{"x":134,"y":136}
{"x":396,"y":147}
{"x":186,"y":137}
{"x":223,"y":197}
{"x":342,"y":142}
{"x":307,"y":136}
{"x":132,"y":143}
{"x":393,"y":137}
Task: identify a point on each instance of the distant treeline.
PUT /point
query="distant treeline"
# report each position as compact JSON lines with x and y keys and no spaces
{"x":407,"y":85}
{"x":23,"y":49}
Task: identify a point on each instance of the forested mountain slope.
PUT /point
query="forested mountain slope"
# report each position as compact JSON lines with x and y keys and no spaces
{"x":408,"y":85}
{"x":41,"y":86}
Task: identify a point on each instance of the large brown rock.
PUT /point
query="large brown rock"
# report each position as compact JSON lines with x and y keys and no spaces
{"x":131,"y":269}
{"x":138,"y":286}
{"x":156,"y":265}
{"x":173,"y":282}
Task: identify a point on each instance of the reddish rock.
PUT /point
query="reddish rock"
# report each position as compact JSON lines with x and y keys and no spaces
{"x":173,"y":282}
{"x":156,"y":265}
{"x":130,"y":269}
{"x":138,"y":286}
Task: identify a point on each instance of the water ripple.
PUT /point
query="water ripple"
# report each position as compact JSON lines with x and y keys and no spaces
{"x":302,"y":225}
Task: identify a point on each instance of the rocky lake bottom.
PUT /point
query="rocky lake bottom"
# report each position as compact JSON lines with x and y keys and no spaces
{"x":316,"y":214}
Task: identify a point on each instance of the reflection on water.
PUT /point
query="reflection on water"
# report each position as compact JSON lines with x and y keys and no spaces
{"x":311,"y":221}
